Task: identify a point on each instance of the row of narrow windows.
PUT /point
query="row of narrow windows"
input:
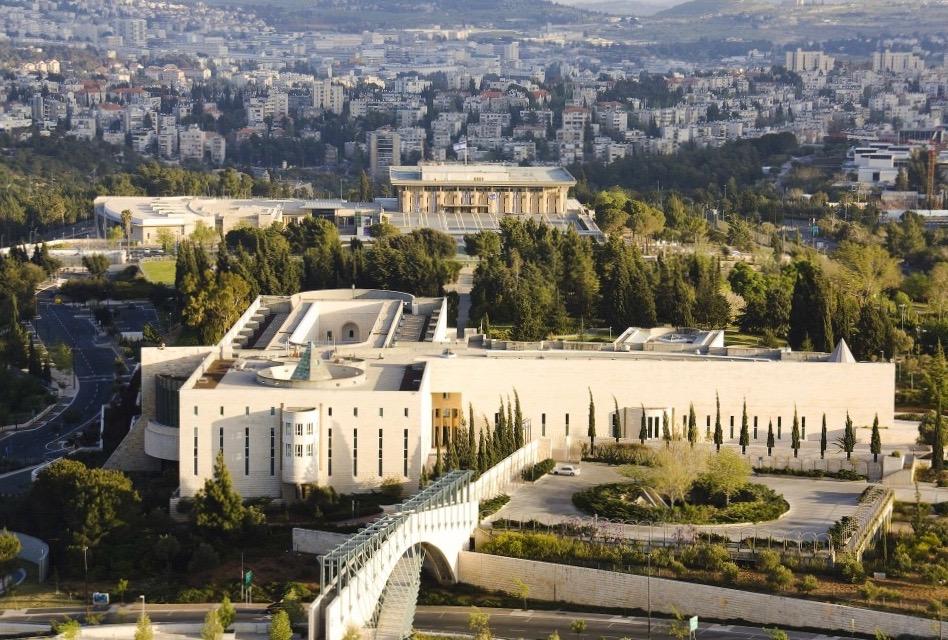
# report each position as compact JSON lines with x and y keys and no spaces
{"x":355,"y":411}
{"x":307,"y":450}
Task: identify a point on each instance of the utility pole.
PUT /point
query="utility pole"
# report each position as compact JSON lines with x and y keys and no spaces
{"x":85,"y":571}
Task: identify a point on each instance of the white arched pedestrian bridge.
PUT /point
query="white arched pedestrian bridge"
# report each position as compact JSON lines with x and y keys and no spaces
{"x":371,"y":580}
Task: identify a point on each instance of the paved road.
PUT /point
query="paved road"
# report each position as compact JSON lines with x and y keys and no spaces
{"x":814,"y":504}
{"x":94,"y":368}
{"x":505,"y":623}
{"x":512,"y":623}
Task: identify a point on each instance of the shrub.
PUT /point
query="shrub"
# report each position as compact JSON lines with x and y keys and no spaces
{"x":808,"y":583}
{"x":842,"y":474}
{"x":204,"y":558}
{"x":711,"y":557}
{"x":729,"y":572}
{"x":493,"y":505}
{"x":622,"y":453}
{"x":934,"y":573}
{"x":851,"y":569}
{"x":779,"y":577}
{"x":537,"y":471}
{"x":392,"y":488}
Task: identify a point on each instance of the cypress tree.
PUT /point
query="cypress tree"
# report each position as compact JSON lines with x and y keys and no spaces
{"x":810,"y":309}
{"x":823,"y":438}
{"x":849,"y":437}
{"x":666,"y":428}
{"x":451,"y":461}
{"x":509,"y":437}
{"x":938,"y":440}
{"x":875,"y":443}
{"x":471,"y":435}
{"x":591,"y":429}
{"x":745,"y":429}
{"x":616,"y":421}
{"x":770,"y":438}
{"x":718,"y":431}
{"x":692,"y":426}
{"x":643,"y":433}
{"x":439,"y":464}
{"x":500,"y":429}
{"x":482,"y":465}
{"x":795,"y":434}
{"x":518,"y":422}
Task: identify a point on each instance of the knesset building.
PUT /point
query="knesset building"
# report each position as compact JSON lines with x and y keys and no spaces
{"x":348,"y":388}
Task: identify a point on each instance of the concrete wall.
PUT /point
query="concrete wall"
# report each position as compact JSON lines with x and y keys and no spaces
{"x":579,"y":585}
{"x":505,"y":473}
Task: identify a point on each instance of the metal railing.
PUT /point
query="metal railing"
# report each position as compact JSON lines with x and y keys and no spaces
{"x":349,"y":557}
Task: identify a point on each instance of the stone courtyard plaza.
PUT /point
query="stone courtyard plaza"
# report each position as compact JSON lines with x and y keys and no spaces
{"x":349,"y":388}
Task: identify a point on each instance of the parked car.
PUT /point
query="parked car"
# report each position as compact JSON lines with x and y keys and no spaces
{"x":567,"y":470}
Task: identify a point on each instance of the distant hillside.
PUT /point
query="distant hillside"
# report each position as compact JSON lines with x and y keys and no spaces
{"x":694,"y":8}
{"x":370,"y":14}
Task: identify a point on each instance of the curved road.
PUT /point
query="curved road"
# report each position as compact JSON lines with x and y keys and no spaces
{"x":94,"y":367}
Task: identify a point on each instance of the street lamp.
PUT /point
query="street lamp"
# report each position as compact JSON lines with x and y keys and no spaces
{"x":142,"y":598}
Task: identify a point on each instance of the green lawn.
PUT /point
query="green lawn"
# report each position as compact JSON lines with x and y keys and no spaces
{"x":158,"y":271}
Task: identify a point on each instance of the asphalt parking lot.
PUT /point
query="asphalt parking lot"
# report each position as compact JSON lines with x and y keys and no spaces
{"x":814,"y":504}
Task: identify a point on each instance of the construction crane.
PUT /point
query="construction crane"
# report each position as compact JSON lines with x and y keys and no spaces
{"x":935,"y":146}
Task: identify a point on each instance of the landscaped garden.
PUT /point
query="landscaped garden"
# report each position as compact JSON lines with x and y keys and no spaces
{"x":684,"y":484}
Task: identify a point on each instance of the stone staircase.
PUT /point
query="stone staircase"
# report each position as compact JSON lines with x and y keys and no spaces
{"x":411,"y":328}
{"x":432,"y":324}
{"x":259,"y":329}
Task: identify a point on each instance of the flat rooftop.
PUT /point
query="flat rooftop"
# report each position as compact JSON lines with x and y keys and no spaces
{"x":480,"y":175}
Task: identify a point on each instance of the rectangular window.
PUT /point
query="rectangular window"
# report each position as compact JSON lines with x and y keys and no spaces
{"x":779,"y":425}
{"x":195,"y":451}
{"x":438,"y":413}
{"x":330,"y":412}
{"x":287,"y":426}
{"x":355,"y":452}
{"x":708,"y":422}
{"x":299,"y":451}
{"x":222,"y":410}
{"x":567,"y":425}
{"x":543,"y":425}
{"x":246,"y":411}
{"x":406,"y":412}
{"x":381,"y":412}
{"x":380,"y":452}
{"x":355,"y":412}
{"x":299,"y":429}
{"x":803,"y":427}
{"x":329,"y":452}
{"x":195,"y":410}
{"x":272,"y":451}
{"x":309,"y":451}
{"x":246,"y":451}
{"x":309,"y":428}
{"x":220,"y":438}
{"x":289,"y":449}
{"x":405,"y":452}
{"x":273,"y":411}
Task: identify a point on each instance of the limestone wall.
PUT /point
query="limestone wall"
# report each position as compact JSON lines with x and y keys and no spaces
{"x":579,"y":585}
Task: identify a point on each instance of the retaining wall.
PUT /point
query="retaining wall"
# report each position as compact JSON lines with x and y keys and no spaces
{"x":579,"y":585}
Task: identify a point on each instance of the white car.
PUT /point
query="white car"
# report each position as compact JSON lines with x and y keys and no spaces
{"x":567,"y":470}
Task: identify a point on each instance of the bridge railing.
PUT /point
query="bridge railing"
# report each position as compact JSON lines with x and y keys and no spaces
{"x":345,"y":560}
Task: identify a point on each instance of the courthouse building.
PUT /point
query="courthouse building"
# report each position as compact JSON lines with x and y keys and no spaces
{"x":348,"y":388}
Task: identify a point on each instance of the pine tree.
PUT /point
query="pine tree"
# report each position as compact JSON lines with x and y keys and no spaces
{"x":718,"y":431}
{"x":218,"y":508}
{"x":34,"y":366}
{"x":875,"y":443}
{"x":643,"y":432}
{"x":692,"y":426}
{"x":795,"y":433}
{"x":823,"y":441}
{"x":770,"y":438}
{"x":938,"y":440}
{"x":849,"y":437}
{"x":591,"y":429}
{"x":745,"y":429}
{"x":810,"y":308}
{"x":16,"y":337}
